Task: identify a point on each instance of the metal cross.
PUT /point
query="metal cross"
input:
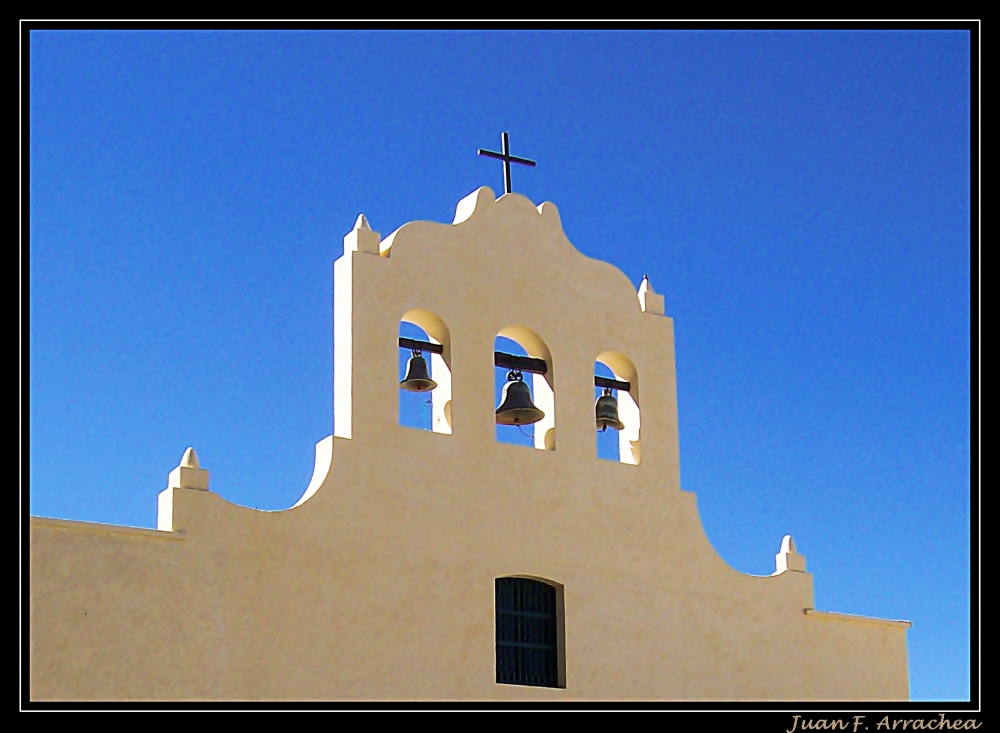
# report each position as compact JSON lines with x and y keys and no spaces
{"x":507,"y":158}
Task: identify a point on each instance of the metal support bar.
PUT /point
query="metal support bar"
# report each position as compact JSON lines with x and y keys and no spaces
{"x":520,"y":363}
{"x":612,"y":383}
{"x":511,"y":361}
{"x":414,"y":345}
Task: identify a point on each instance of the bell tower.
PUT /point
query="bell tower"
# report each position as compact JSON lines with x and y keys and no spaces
{"x":566,"y":310}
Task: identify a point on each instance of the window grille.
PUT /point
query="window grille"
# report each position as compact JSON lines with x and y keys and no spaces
{"x":526,"y":632}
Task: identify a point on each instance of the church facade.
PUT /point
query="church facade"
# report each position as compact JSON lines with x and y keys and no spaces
{"x":443,"y":564}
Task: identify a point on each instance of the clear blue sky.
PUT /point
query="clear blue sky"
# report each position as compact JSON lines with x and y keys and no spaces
{"x":802,"y":200}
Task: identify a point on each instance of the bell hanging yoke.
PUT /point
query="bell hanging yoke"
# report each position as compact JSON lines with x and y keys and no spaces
{"x":516,"y":407}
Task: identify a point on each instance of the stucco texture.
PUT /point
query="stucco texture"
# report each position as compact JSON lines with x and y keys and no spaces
{"x":379,"y":583}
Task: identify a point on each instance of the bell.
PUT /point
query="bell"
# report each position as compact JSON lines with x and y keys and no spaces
{"x":417,"y":378}
{"x":516,"y":407}
{"x":607,"y":412}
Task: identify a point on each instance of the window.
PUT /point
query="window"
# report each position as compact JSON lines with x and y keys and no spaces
{"x":622,"y":444}
{"x":425,"y":403}
{"x":520,"y":342}
{"x":607,"y":439}
{"x":527,"y":632}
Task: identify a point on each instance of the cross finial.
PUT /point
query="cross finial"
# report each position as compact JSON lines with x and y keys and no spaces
{"x":507,"y":158}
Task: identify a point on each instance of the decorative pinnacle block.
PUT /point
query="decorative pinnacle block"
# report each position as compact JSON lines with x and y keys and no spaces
{"x":362,"y":238}
{"x":788,"y":557}
{"x":649,"y":300}
{"x":188,"y":475}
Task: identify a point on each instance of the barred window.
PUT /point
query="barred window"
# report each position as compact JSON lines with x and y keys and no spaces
{"x":527,"y":652}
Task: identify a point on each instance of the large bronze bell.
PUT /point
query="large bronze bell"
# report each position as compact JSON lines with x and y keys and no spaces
{"x":516,"y":407}
{"x":607,"y":412}
{"x":417,"y":379}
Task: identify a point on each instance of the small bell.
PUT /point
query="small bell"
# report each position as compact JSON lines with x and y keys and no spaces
{"x":417,"y":378}
{"x":607,"y":412}
{"x":516,"y":407}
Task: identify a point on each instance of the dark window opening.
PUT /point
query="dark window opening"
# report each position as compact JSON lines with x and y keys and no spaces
{"x":526,"y":633}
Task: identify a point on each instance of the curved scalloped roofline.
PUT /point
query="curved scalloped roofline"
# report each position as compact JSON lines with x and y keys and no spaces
{"x":481,"y":207}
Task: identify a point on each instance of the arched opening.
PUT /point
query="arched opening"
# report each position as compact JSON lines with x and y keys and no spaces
{"x":521,"y":355}
{"x":620,"y":381}
{"x":530,"y":632}
{"x":424,"y":351}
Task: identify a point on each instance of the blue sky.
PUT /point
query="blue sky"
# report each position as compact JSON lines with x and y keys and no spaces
{"x":802,"y":200}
